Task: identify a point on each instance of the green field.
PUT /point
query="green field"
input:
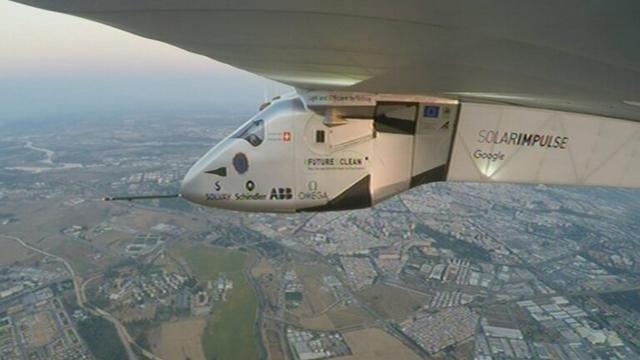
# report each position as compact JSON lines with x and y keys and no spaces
{"x":230,"y":331}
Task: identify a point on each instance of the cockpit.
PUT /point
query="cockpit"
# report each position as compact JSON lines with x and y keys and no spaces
{"x":252,"y":132}
{"x":246,"y":170}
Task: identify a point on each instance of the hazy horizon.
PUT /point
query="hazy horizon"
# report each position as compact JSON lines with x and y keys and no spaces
{"x":53,"y":64}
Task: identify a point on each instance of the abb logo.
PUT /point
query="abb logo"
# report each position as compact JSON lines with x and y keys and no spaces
{"x":281,"y":194}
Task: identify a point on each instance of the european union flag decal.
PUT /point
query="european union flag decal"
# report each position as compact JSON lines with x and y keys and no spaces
{"x":431,"y":111}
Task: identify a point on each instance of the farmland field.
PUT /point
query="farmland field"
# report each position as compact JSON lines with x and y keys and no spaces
{"x":230,"y":332}
{"x":179,"y":340}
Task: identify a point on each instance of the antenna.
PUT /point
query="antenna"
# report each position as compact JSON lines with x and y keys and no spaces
{"x":143,"y":197}
{"x":265,"y":92}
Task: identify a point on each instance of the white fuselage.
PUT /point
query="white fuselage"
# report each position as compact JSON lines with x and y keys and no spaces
{"x":323,"y":151}
{"x":289,"y":157}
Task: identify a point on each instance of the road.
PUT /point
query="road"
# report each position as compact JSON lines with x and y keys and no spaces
{"x":261,"y":303}
{"x":78,"y":287}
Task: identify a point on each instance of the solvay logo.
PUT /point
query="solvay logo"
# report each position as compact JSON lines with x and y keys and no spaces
{"x":281,"y":194}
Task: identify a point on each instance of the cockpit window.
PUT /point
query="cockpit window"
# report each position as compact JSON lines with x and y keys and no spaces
{"x":253,"y":132}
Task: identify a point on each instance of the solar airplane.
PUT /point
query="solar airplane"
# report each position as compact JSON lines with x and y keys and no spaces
{"x":391,"y":95}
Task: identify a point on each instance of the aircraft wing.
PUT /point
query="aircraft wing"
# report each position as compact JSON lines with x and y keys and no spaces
{"x":573,"y":55}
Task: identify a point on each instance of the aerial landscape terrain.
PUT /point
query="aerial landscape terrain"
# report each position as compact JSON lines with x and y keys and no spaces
{"x":443,"y":271}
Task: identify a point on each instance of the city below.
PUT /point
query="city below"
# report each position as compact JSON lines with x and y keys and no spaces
{"x":445,"y":271}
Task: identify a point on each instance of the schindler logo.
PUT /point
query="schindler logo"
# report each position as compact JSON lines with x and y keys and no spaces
{"x":522,"y":139}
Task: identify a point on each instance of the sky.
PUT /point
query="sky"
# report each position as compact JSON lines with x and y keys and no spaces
{"x":53,"y":64}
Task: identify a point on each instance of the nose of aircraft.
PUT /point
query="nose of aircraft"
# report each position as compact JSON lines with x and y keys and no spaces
{"x":204,"y":180}
{"x":197,"y":183}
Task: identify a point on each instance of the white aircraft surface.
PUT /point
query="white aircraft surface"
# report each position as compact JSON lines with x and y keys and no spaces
{"x":394,"y":94}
